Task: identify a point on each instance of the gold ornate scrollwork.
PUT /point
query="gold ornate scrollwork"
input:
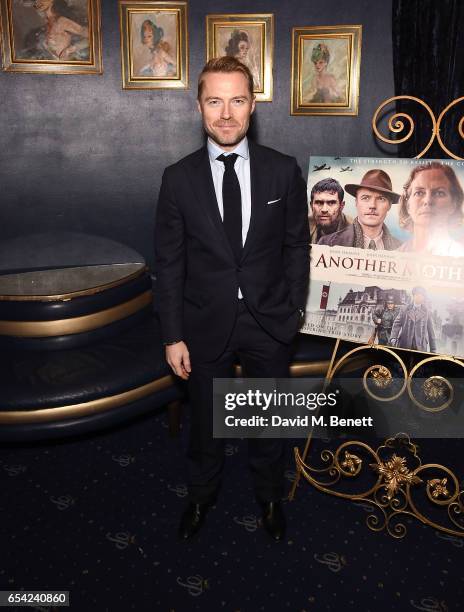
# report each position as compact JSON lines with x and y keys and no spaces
{"x":438,"y":391}
{"x":460,"y":127}
{"x":396,"y":124}
{"x":376,"y":376}
{"x":400,"y":472}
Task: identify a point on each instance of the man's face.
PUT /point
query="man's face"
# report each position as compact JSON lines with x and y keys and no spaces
{"x":327,"y":209}
{"x":418,"y":299}
{"x":372,"y":207}
{"x":390,"y":305}
{"x":226,"y":106}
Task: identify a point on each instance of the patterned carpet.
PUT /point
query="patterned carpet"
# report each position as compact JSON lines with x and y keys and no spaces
{"x":98,"y":516}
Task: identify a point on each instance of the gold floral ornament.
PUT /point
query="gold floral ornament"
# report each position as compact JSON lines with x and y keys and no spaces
{"x":380,"y":376}
{"x":438,"y":487}
{"x":435,"y":388}
{"x":351,"y":463}
{"x":395,"y":473}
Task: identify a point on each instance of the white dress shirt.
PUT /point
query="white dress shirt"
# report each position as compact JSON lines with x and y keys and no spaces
{"x":242,"y":170}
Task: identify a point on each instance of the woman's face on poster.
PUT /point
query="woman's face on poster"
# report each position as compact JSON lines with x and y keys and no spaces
{"x":430,"y":201}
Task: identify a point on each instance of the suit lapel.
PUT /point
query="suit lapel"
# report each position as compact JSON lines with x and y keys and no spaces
{"x":258,"y":180}
{"x":203,"y":186}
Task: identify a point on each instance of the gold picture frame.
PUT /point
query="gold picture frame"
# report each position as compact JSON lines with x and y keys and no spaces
{"x":154,"y":45}
{"x":40,"y":38}
{"x":248,"y":37}
{"x":317,"y":89}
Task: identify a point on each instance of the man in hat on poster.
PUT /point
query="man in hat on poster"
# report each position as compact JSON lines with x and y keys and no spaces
{"x":374,"y":198}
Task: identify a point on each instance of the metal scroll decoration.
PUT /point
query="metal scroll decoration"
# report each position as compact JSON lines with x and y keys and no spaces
{"x":401,"y":122}
{"x":399,"y":476}
{"x":403,"y":486}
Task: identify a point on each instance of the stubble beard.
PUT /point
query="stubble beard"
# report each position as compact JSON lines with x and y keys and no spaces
{"x":328,"y":228}
{"x":232,"y":141}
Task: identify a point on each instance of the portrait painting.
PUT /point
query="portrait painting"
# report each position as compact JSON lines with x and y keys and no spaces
{"x":249,"y":38}
{"x":153,"y":45}
{"x":54,"y":36}
{"x":325,"y":70}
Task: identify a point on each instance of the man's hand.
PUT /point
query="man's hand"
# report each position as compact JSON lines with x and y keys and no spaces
{"x":178,"y":357}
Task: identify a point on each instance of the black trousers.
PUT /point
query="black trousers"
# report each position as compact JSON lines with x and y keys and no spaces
{"x":261,"y":356}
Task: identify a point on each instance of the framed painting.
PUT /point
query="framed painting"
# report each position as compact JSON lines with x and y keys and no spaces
{"x":154,"y":45}
{"x":51,"y":36}
{"x":325,"y":70}
{"x":249,"y":38}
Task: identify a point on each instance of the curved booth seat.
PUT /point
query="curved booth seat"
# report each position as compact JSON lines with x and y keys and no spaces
{"x":73,"y":319}
{"x":54,"y":299}
{"x":48,"y":394}
{"x":80,"y":346}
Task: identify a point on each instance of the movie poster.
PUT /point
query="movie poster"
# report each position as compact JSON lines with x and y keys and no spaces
{"x":387,"y":252}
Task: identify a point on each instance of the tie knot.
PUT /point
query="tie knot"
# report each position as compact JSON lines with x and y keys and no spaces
{"x":229,"y":160}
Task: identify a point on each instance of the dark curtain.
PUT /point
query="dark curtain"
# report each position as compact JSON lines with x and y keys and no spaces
{"x":428,"y":61}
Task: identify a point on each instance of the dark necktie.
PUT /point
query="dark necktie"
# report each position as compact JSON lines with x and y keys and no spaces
{"x":372,"y":245}
{"x":232,"y":202}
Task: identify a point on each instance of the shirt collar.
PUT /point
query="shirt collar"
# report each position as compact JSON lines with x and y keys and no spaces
{"x":241,"y":149}
{"x":378,"y":239}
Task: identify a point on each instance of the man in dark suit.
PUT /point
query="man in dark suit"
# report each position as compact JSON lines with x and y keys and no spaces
{"x":232,"y":266}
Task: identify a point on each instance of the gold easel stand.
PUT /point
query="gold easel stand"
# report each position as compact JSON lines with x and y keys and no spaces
{"x":401,"y":476}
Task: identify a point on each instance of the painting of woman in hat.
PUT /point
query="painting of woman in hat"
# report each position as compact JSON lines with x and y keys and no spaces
{"x":374,"y":198}
{"x":322,"y":85}
{"x":430,"y":205}
{"x":152,"y":52}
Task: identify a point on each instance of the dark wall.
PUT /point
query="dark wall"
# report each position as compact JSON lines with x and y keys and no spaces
{"x":79,"y":153}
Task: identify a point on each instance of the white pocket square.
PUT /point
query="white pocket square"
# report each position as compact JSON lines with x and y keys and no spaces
{"x":274,"y":201}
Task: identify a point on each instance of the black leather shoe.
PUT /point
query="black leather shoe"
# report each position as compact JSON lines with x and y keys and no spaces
{"x":274,"y":520}
{"x":192,"y":520}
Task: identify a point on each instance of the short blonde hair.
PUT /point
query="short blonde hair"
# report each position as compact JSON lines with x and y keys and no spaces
{"x":225,"y":64}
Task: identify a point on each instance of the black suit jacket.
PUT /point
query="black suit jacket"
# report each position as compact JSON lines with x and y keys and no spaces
{"x":197,"y":276}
